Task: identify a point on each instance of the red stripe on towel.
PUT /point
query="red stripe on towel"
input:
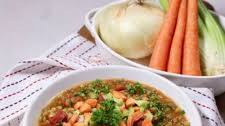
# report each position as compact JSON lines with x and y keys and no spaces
{"x":23,"y":69}
{"x":64,"y":44}
{"x":18,"y":92}
{"x":14,"y":112}
{"x":17,"y":82}
{"x":11,"y":105}
{"x":204,"y":106}
{"x":212,"y":99}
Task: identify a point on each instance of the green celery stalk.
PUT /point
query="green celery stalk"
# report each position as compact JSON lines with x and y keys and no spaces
{"x":164,"y":4}
{"x":212,"y":43}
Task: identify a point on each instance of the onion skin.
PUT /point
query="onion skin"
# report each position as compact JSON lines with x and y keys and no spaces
{"x":130,"y":29}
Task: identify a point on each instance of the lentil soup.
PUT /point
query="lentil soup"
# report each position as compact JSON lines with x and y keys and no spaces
{"x":114,"y":102}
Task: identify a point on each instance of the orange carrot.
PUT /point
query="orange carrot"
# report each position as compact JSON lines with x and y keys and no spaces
{"x":176,"y":50}
{"x":118,"y":95}
{"x":85,"y":108}
{"x":162,"y":47}
{"x":134,"y":117}
{"x":66,"y":124}
{"x":130,"y":102}
{"x":130,"y":121}
{"x":73,"y":119}
{"x":92,"y":102}
{"x":191,"y":57}
{"x":123,"y":107}
{"x":147,"y":122}
{"x":136,"y":108}
{"x":123,"y":123}
{"x":79,"y":124}
{"x":137,"y":115}
{"x":78,"y":104}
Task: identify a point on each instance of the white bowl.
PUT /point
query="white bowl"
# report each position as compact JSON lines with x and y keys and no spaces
{"x":215,"y":82}
{"x":109,"y":72}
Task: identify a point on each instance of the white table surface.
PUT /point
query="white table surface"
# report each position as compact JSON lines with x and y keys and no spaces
{"x":30,"y":27}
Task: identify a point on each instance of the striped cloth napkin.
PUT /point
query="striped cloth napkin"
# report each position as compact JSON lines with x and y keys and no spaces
{"x":28,"y":78}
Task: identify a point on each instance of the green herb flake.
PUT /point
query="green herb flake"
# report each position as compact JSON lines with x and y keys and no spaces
{"x":135,"y":89}
{"x":107,"y":115}
{"x":93,"y":90}
{"x":182,"y":112}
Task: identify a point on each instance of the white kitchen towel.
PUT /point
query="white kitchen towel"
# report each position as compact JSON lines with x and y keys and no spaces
{"x":28,"y":78}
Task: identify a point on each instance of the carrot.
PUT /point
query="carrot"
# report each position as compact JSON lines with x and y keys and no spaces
{"x":176,"y":50}
{"x":123,"y":107}
{"x":137,"y":115}
{"x":118,"y":95}
{"x":134,"y":117}
{"x":66,"y":124}
{"x":130,"y":102}
{"x":162,"y":46}
{"x":85,"y":108}
{"x":122,"y":123}
{"x":73,"y":119}
{"x":79,"y":124}
{"x":87,"y":117}
{"x":98,"y":106}
{"x":92,"y":102}
{"x":147,"y":122}
{"x":130,"y":121}
{"x":191,"y":57}
{"x":78,"y":104}
{"x":136,"y":108}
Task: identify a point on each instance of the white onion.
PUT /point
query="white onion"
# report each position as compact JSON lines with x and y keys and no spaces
{"x":130,"y":29}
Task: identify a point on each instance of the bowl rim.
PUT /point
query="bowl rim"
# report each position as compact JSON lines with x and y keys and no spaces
{"x":113,"y":67}
{"x":99,"y":41}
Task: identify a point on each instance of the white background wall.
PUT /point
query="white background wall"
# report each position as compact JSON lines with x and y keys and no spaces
{"x":30,"y":27}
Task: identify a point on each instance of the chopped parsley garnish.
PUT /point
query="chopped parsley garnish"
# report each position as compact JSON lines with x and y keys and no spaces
{"x":159,"y":108}
{"x":98,"y":86}
{"x":143,"y":104}
{"x":182,"y":112}
{"x":94,"y":89}
{"x":83,"y":92}
{"x":135,"y":89}
{"x":107,"y":115}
